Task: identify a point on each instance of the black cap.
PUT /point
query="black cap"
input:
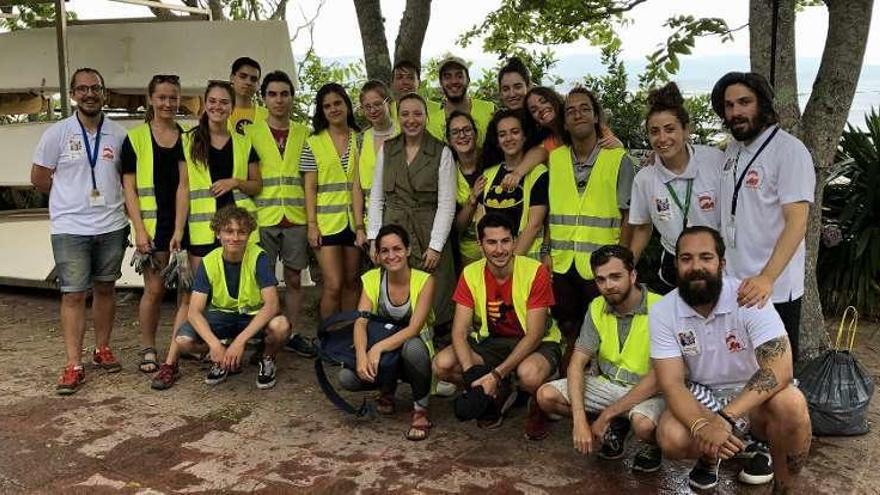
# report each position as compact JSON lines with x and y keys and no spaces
{"x":754,"y":81}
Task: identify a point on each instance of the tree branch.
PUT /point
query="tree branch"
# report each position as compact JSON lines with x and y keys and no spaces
{"x":372,"y":27}
{"x":411,"y":35}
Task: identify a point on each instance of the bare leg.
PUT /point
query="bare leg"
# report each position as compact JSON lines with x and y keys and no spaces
{"x":292,"y":295}
{"x":351,"y":290}
{"x":73,"y":325}
{"x":330,"y":260}
{"x":785,"y":422}
{"x":552,"y":401}
{"x":277,"y":333}
{"x":103,"y":311}
{"x":151,"y":302}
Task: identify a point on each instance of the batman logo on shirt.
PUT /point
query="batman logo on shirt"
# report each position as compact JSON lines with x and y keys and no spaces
{"x":499,"y":198}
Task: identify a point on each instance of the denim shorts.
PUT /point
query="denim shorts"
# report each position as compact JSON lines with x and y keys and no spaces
{"x":224,"y":326}
{"x":83,"y":259}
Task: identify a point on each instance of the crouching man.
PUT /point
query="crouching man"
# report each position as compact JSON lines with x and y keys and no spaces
{"x":615,"y":330}
{"x":234,"y":299}
{"x":725,"y":370}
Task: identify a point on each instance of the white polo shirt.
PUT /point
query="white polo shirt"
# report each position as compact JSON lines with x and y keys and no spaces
{"x":782,"y":174}
{"x":652,"y":202}
{"x":719,"y":351}
{"x":62,"y":149}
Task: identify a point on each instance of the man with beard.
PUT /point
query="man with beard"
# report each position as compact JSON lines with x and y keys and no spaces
{"x":502,"y":324}
{"x":616,"y":332}
{"x":77,"y":164}
{"x":245,"y":79}
{"x":766,"y":188}
{"x":454,"y":81}
{"x":725,"y":371}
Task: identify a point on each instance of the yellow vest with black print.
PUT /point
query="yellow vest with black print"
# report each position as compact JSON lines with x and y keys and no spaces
{"x":467,"y":239}
{"x":282,"y":195}
{"x":581,"y":223}
{"x":249,"y":300}
{"x":372,"y":281}
{"x":524,"y":271}
{"x":202,"y":204}
{"x":528,"y":183}
{"x":334,"y":183}
{"x":634,"y":360}
{"x":141,"y":140}
{"x":481,"y":111}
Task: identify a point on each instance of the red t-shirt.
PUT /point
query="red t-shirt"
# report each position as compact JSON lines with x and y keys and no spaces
{"x":499,"y":301}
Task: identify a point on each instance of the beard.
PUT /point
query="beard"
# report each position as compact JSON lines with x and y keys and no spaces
{"x":455,"y":100}
{"x":616,"y":298}
{"x":700,"y":294}
{"x":755,"y":126}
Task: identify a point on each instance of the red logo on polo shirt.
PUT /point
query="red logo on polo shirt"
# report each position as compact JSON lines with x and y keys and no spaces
{"x":107,"y":153}
{"x":706,"y":201}
{"x":753,"y":180}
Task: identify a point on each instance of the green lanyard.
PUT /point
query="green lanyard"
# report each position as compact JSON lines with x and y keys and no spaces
{"x":687,"y":202}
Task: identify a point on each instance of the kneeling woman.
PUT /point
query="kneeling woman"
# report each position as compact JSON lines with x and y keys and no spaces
{"x":396,"y":292}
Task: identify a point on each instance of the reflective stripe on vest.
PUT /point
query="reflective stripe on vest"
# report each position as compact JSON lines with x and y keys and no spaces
{"x":529,"y":181}
{"x":372,"y":281}
{"x":634,"y":361}
{"x":334,"y":183}
{"x":202,"y":204}
{"x":282,"y":195}
{"x":469,"y":247}
{"x":524,"y":271}
{"x":580,"y":224}
{"x":141,"y":140}
{"x":249,"y":300}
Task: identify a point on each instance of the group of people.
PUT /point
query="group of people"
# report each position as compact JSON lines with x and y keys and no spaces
{"x":516,"y":231}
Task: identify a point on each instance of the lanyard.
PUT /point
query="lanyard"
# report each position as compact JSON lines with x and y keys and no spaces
{"x":739,"y":182}
{"x":92,"y":153}
{"x":687,"y":202}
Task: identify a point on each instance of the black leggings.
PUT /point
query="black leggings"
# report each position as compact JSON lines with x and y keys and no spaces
{"x":415,"y":369}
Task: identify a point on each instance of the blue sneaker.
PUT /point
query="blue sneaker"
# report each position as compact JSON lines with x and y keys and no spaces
{"x":303,"y":346}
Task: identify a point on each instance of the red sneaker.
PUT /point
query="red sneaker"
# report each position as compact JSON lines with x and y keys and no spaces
{"x":536,"y":422}
{"x":165,"y":377}
{"x":104,"y":358}
{"x":71,"y":378}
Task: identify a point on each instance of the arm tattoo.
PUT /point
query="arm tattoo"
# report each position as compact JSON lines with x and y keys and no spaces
{"x":770,"y":350}
{"x":762,"y":381}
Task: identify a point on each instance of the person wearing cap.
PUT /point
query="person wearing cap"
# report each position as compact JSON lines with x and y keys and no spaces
{"x":454,"y":81}
{"x":767,"y":186}
{"x":405,"y":80}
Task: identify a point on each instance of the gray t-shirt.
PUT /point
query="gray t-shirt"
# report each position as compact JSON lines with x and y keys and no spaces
{"x":625,"y":175}
{"x":718,"y":351}
{"x":387,"y":308}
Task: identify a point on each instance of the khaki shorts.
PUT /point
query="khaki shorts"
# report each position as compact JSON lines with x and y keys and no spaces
{"x":600,"y":392}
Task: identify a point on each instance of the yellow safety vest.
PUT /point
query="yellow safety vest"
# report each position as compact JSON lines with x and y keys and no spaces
{"x":530,"y":179}
{"x":334,"y":183}
{"x":524,"y":271}
{"x":282,"y":195}
{"x":469,"y":247}
{"x":202,"y":204}
{"x":367,"y":163}
{"x":635,"y":358}
{"x":481,"y":111}
{"x":142,"y":143}
{"x":431,"y":106}
{"x":249,"y":300}
{"x":580,"y":224}
{"x":372,"y":281}
{"x":261,"y":114}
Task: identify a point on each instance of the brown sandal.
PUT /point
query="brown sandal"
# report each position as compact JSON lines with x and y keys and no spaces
{"x":385,"y":404}
{"x":420,"y":426}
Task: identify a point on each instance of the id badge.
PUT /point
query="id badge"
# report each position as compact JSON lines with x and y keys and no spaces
{"x":687,"y":339}
{"x":96,"y":199}
{"x":730,"y":232}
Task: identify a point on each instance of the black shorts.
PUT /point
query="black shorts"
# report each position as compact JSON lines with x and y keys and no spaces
{"x":494,"y":350}
{"x":573,"y":296}
{"x":343,"y":238}
{"x":202,"y":250}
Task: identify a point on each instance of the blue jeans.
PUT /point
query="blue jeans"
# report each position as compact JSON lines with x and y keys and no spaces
{"x":84,"y":259}
{"x":224,"y":326}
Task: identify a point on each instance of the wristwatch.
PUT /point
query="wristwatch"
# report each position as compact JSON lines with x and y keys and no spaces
{"x":740,"y":425}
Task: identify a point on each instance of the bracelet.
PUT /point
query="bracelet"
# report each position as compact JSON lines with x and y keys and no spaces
{"x":545,"y":249}
{"x":497,"y":375}
{"x":697,"y":424}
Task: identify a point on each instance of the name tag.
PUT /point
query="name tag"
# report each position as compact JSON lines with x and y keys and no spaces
{"x":687,"y":339}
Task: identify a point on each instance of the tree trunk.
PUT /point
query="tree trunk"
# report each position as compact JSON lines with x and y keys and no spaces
{"x":824,"y":119}
{"x":216,"y":10}
{"x":411,"y":36}
{"x":372,"y":25}
{"x":760,"y":38}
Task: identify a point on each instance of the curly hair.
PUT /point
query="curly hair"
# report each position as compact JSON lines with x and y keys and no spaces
{"x":232,"y":213}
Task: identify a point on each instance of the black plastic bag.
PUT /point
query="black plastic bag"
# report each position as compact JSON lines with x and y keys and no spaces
{"x":837,"y":387}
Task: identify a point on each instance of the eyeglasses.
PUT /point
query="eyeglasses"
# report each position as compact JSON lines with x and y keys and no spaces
{"x":582,"y":110}
{"x":167,"y":78}
{"x":462,"y":132}
{"x":370,"y":108}
{"x":84,"y":89}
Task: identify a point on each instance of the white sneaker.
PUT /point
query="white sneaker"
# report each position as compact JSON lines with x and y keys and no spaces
{"x":445,"y":389}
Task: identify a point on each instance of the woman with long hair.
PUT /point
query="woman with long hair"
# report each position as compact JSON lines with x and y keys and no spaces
{"x":680,"y":189}
{"x":398,"y":293}
{"x":525,"y":204}
{"x":154,"y":181}
{"x":414,"y":186}
{"x":461,"y":134}
{"x":514,"y":82}
{"x":327,"y":165}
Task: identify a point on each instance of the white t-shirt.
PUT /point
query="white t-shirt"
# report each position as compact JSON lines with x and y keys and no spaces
{"x":652,"y":202}
{"x":719,"y":351}
{"x":782,"y":174}
{"x":62,"y":149}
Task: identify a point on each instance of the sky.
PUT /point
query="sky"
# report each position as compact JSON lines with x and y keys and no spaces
{"x":450,"y":18}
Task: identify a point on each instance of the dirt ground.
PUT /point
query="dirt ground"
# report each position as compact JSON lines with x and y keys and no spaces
{"x":118,"y":435}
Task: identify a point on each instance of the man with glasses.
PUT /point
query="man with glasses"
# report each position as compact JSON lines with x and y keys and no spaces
{"x":245,"y":79}
{"x":77,"y":164}
{"x":590,"y":189}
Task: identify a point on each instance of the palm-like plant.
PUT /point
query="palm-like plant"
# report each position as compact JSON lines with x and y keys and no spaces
{"x":849,"y":260}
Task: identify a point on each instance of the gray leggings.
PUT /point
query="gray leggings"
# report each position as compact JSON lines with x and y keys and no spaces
{"x":415,"y":369}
